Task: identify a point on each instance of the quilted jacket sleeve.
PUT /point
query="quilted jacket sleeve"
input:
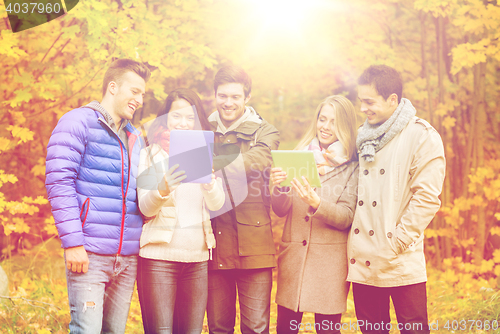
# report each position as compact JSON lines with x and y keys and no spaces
{"x":64,"y":154}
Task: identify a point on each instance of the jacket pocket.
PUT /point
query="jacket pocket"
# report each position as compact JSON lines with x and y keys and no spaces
{"x":84,"y":211}
{"x":283,"y":250}
{"x":255,"y":236}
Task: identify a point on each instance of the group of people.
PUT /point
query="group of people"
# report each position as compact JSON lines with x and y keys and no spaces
{"x":123,"y":215}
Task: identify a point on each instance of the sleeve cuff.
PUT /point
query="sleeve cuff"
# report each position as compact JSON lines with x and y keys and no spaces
{"x":283,"y":190}
{"x":157,"y":195}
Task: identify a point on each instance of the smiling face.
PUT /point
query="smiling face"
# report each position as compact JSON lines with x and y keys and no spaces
{"x":181,"y":116}
{"x":230,"y":101}
{"x":325,"y":130}
{"x":128,"y":95}
{"x":376,"y":108}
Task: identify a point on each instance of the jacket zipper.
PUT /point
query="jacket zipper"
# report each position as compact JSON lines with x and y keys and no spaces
{"x":87,"y":201}
{"x":124,"y":209}
{"x":124,"y":206}
{"x":124,"y":195}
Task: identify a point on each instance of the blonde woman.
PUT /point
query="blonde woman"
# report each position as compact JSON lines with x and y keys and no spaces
{"x":312,"y":263}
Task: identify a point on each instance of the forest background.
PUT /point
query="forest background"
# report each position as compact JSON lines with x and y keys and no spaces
{"x":297,"y":53}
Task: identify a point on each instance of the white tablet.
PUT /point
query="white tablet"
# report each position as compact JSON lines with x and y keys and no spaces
{"x":193,"y":151}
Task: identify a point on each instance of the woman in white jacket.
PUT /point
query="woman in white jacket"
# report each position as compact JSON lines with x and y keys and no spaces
{"x":177,"y":242}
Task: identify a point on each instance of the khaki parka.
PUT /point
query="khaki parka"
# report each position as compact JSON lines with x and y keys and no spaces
{"x":397,"y":199}
{"x":242,"y":227}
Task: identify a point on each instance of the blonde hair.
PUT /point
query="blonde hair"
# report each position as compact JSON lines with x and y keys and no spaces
{"x":344,"y":125}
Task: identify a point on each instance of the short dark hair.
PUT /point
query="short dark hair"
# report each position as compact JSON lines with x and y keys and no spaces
{"x":386,"y":80}
{"x":160,"y":123}
{"x":119,"y":67}
{"x":233,"y":74}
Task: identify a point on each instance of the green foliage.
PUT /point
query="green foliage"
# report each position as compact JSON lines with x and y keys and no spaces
{"x":58,"y":66}
{"x":439,"y":47}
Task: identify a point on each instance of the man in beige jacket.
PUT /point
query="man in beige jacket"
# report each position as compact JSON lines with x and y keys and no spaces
{"x":401,"y":173}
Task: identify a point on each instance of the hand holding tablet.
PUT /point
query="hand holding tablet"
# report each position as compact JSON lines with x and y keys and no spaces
{"x":192,"y":150}
{"x":172,"y":179}
{"x":306,"y":192}
{"x":295,"y":164}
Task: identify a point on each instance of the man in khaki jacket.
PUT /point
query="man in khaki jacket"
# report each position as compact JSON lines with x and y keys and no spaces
{"x":244,"y":257}
{"x":402,"y":168}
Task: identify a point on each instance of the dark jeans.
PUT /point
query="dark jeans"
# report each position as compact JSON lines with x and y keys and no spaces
{"x":289,"y":322}
{"x":372,"y":308}
{"x":165,"y":286}
{"x":254,"y":293}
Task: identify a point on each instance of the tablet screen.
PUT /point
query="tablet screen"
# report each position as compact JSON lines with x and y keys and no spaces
{"x":193,"y":151}
{"x":297,"y":164}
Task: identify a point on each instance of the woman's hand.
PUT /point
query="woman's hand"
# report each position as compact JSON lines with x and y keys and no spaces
{"x":277,"y":176}
{"x":209,"y":186}
{"x":306,"y":192}
{"x":171,"y":181}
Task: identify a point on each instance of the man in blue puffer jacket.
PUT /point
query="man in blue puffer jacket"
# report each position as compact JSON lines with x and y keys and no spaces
{"x":91,"y":171}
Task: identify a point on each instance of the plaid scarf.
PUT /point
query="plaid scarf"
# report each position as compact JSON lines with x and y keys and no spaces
{"x":372,"y":138}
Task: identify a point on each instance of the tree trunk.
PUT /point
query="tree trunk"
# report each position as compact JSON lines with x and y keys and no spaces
{"x":480,"y":103}
{"x":446,"y":245}
{"x":436,"y":223}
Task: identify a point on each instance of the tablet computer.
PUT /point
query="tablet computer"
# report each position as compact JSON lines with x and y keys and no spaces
{"x":297,"y":164}
{"x":193,"y":151}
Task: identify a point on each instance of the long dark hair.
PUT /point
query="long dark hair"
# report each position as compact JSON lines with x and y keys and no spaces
{"x":180,"y":93}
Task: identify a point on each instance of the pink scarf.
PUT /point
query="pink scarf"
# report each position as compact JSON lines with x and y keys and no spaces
{"x":162,"y":138}
{"x":326,"y":160}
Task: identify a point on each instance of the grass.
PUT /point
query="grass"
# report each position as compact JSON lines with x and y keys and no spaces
{"x":40,"y":305}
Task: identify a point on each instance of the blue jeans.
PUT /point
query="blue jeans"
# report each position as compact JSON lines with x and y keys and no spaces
{"x":372,"y":308}
{"x":254,"y":293}
{"x":173,"y":295}
{"x":99,"y":300}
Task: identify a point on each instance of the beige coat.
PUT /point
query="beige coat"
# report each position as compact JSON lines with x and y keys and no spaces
{"x":397,"y":199}
{"x":312,"y":264}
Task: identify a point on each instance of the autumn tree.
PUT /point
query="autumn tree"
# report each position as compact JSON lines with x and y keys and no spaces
{"x":53,"y":68}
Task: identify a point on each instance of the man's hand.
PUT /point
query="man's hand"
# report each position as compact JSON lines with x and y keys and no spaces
{"x":76,"y":259}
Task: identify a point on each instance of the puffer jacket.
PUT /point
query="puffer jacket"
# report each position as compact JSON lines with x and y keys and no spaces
{"x":91,"y":184}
